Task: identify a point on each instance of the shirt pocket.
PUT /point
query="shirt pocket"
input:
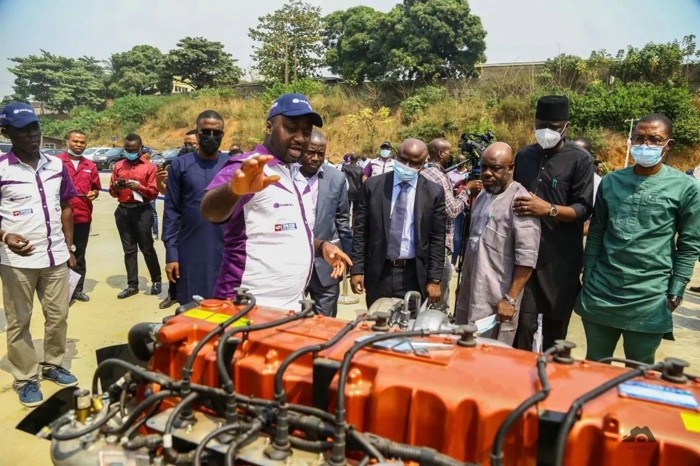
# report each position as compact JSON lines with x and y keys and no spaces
{"x":650,"y":210}
{"x":494,"y":239}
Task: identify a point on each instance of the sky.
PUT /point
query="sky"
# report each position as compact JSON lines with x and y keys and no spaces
{"x":517,"y":30}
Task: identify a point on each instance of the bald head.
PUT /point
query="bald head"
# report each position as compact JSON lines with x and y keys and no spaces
{"x":497,"y":167}
{"x":412,"y":152}
{"x":317,"y":137}
{"x":440,"y":151}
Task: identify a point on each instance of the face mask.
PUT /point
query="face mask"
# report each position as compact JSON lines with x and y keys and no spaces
{"x":73,"y":153}
{"x":384,"y":153}
{"x":186,"y":149}
{"x":547,"y":138}
{"x":131,"y":157}
{"x":647,"y":156}
{"x":209,"y":143}
{"x":404,"y":172}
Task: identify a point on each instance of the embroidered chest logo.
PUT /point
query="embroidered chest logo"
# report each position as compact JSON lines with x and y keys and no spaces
{"x":285,"y":226}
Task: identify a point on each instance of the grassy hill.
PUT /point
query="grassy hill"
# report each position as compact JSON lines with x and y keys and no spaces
{"x":357,"y":119}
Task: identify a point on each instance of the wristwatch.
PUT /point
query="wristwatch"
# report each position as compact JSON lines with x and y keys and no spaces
{"x":435,"y":281}
{"x":72,"y":248}
{"x":510,"y":300}
{"x":553,"y":211}
{"x":675,"y":299}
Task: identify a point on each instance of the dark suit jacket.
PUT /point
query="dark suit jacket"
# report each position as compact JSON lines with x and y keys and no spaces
{"x":332,"y":218}
{"x":372,"y":224}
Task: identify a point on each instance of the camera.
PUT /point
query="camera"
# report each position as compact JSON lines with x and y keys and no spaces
{"x":472,"y":145}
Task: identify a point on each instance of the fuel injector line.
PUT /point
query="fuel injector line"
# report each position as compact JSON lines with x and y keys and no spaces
{"x":575,"y":408}
{"x":339,"y":439}
{"x":543,"y":393}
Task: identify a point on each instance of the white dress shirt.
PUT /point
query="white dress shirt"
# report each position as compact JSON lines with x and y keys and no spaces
{"x":408,"y":249}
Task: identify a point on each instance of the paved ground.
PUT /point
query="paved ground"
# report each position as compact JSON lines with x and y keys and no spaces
{"x":105,"y":321}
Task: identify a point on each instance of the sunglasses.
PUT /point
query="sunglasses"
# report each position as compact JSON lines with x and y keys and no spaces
{"x":210,"y":132}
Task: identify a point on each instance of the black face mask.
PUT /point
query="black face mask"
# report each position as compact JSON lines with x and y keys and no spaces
{"x":209,"y":143}
{"x":186,"y":149}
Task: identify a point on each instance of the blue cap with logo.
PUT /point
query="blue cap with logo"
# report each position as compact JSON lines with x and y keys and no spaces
{"x":294,"y":105}
{"x":17,"y":115}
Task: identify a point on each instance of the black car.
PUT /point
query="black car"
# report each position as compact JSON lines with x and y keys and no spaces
{"x":165,"y":158}
{"x":109,"y":159}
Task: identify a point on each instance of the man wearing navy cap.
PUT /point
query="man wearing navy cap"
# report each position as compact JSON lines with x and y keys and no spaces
{"x":268,"y":240}
{"x":559,"y":176}
{"x":36,"y":250}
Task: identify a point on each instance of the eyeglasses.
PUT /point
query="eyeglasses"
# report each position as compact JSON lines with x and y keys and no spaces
{"x":648,"y":140}
{"x":211,"y":132}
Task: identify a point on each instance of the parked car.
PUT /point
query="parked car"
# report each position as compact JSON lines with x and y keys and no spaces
{"x":109,"y":159}
{"x":5,"y":147}
{"x":91,"y":152}
{"x":165,"y":158}
{"x":52,"y":151}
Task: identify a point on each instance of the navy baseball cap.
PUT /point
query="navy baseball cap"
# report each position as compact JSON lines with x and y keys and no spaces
{"x":294,"y":105}
{"x":17,"y":115}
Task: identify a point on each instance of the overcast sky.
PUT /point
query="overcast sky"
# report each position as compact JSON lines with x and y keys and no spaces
{"x":517,"y":30}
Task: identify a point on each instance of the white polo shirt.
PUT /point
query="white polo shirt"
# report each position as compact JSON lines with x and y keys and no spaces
{"x":30,"y":205}
{"x":268,"y":241}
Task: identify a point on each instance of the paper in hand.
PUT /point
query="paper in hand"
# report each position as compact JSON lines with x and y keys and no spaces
{"x":73,"y":279}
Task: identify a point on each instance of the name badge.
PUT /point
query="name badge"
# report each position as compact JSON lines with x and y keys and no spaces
{"x":21,"y":212}
{"x":285,"y":226}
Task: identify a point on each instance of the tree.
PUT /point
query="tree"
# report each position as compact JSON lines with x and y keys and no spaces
{"x":352,"y":40}
{"x":658,"y":63}
{"x":431,"y":39}
{"x":203,"y":63}
{"x":140,"y":71}
{"x":61,"y":83}
{"x":290,"y":42}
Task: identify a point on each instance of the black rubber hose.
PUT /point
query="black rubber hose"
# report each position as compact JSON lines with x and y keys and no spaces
{"x":422,"y":455}
{"x":366,"y":445}
{"x":499,"y":440}
{"x":314,"y":446}
{"x":205,"y":441}
{"x":140,"y":408}
{"x":170,"y":453}
{"x":187,"y":368}
{"x":160,"y":379}
{"x":140,"y":340}
{"x":338,"y":455}
{"x":256,"y":426}
{"x":56,"y":435}
{"x":574,"y":410}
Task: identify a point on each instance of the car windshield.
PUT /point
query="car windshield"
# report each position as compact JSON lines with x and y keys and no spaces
{"x":89,"y":151}
{"x":113,"y":152}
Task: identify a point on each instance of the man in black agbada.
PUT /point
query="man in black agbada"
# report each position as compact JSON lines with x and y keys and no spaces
{"x":559,"y":176}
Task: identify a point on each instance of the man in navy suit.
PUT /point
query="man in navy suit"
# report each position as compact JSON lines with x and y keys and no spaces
{"x":399,"y":231}
{"x":325,"y":196}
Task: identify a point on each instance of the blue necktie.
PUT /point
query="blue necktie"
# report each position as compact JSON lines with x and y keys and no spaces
{"x":398,"y":218}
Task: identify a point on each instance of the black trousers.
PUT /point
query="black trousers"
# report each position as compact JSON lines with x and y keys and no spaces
{"x":325,"y":297}
{"x":134,"y":226}
{"x":81,"y":234}
{"x":394,"y":282}
{"x":555,"y":323}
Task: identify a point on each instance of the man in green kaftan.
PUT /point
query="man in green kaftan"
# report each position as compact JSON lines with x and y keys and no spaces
{"x":643,"y":242}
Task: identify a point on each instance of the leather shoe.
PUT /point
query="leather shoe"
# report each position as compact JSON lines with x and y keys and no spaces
{"x":695,"y":289}
{"x":128,"y":292}
{"x":80,"y":296}
{"x":167,"y":302}
{"x":156,"y":288}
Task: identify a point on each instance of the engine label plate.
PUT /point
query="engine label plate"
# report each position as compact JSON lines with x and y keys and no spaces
{"x":659,"y":394}
{"x":214,"y":317}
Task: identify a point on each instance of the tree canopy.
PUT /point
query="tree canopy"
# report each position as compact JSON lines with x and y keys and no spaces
{"x":202,"y":62}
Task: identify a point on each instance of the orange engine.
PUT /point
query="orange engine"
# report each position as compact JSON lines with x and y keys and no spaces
{"x":438,"y":397}
{"x":450,"y":398}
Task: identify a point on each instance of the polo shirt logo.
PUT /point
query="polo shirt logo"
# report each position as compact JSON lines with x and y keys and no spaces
{"x":19,"y":213}
{"x":285,"y":226}
{"x":277,"y":205}
{"x":20,"y":198}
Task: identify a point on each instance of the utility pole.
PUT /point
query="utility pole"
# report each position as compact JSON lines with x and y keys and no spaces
{"x":629,"y":139}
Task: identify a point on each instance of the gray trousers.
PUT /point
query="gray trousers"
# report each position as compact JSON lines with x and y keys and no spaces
{"x":445,"y":283}
{"x":325,"y":297}
{"x":19,"y":286}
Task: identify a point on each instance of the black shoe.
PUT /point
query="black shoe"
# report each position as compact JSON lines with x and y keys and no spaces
{"x":695,"y":289}
{"x":80,"y":296}
{"x":167,"y":302}
{"x":156,"y":288}
{"x":128,"y":292}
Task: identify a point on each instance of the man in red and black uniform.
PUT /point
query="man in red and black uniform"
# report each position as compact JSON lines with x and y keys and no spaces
{"x":133,"y":183}
{"x":86,"y":180}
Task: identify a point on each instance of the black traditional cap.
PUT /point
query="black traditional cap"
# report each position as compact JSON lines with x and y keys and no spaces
{"x":553,"y":108}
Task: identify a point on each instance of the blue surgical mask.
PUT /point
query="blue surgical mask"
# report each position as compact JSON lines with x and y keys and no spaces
{"x":647,"y":156}
{"x":131,"y":157}
{"x":384,"y":153}
{"x":404,"y":172}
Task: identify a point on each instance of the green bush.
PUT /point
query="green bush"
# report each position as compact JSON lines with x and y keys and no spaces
{"x":305,"y":86}
{"x":415,"y":105}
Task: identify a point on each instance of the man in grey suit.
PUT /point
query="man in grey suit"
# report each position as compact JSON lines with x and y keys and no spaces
{"x":398,"y":240}
{"x":325,"y":196}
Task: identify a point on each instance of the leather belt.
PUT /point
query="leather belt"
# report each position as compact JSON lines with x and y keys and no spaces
{"x":401,"y":262}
